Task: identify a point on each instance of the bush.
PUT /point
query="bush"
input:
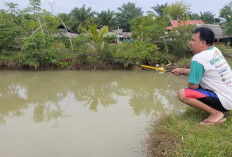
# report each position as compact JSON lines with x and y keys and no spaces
{"x":138,"y":52}
{"x":38,"y":41}
{"x":11,"y":59}
{"x":80,"y":41}
{"x":222,"y":47}
{"x":110,"y":38}
{"x":43,"y":58}
{"x":179,"y":45}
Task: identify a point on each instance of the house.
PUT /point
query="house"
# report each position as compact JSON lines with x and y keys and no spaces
{"x":218,"y":32}
{"x":120,"y":35}
{"x":62,"y":31}
{"x":176,"y":23}
{"x":215,"y":28}
{"x":219,"y":37}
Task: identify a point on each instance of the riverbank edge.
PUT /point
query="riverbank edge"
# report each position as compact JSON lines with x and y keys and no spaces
{"x":180,"y":134}
{"x":91,"y":67}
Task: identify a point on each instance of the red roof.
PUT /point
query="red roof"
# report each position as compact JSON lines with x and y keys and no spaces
{"x":174,"y":23}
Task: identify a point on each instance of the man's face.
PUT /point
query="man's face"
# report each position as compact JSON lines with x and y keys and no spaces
{"x":196,"y":44}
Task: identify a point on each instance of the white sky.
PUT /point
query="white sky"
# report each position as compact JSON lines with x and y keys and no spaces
{"x":65,"y":6}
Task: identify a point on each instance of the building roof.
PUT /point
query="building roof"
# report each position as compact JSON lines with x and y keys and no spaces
{"x":175,"y":23}
{"x":215,"y":28}
{"x":65,"y":32}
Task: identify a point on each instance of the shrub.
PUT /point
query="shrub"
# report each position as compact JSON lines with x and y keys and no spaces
{"x":38,"y":41}
{"x":179,"y":44}
{"x":138,"y":52}
{"x":80,"y":41}
{"x":43,"y":58}
{"x":222,"y":47}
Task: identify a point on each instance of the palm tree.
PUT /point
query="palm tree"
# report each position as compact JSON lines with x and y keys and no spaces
{"x":159,"y":9}
{"x":106,"y":18}
{"x":126,"y":13}
{"x":81,"y":17}
{"x":207,"y":17}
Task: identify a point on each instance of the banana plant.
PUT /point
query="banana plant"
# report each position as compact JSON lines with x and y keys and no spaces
{"x":97,"y":37}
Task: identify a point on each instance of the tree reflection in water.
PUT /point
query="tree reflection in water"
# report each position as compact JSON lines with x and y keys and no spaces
{"x":148,"y":92}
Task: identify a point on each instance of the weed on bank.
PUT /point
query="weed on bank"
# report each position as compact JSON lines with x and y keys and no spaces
{"x":182,"y":135}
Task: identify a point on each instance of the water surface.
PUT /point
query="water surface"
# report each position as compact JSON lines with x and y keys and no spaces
{"x":82,"y":113}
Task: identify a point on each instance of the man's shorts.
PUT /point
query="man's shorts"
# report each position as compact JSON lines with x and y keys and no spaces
{"x":206,"y":96}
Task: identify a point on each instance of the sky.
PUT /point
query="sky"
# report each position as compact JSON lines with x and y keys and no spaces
{"x":65,"y":6}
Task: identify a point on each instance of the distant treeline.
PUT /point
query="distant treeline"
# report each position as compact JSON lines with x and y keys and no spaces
{"x":29,"y":38}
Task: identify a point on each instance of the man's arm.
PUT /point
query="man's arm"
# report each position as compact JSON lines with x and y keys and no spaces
{"x":181,"y":71}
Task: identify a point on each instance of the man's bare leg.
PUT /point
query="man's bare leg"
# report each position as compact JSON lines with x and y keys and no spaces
{"x":214,"y":116}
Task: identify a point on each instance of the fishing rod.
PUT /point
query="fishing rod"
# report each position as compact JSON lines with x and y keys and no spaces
{"x":141,"y":65}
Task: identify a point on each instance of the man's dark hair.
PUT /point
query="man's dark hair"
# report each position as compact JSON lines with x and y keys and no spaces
{"x":206,"y":35}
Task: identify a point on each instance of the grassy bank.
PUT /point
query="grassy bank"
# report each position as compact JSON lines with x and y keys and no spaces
{"x":182,"y":135}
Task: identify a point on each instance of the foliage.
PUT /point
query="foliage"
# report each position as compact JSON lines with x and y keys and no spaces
{"x":97,"y":37}
{"x":110,"y":38}
{"x":159,"y":9}
{"x":11,"y":59}
{"x":49,"y":22}
{"x":145,"y":28}
{"x":12,"y":8}
{"x":10,"y":31}
{"x":28,"y":36}
{"x":35,"y":42}
{"x":126,"y":13}
{"x":226,"y":13}
{"x":177,"y":10}
{"x":184,"y":62}
{"x":80,"y":41}
{"x":35,"y":6}
{"x":179,"y":45}
{"x":223,"y":47}
{"x":194,"y":16}
{"x":208,"y":18}
{"x":81,"y":18}
{"x":106,"y":18}
{"x":42,"y":58}
{"x":229,"y":61}
{"x":138,"y":52}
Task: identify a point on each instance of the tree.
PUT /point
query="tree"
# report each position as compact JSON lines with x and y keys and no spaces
{"x":106,"y":18}
{"x":194,"y":16}
{"x":35,"y":6}
{"x":81,"y":17}
{"x":126,"y":13}
{"x":226,"y":14}
{"x":12,"y":7}
{"x":9,"y":31}
{"x":159,"y":9}
{"x":97,"y":37}
{"x":179,"y":45}
{"x":177,"y":11}
{"x":208,"y":17}
{"x":145,"y":28}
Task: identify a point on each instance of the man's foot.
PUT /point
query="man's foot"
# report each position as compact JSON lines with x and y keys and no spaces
{"x":210,"y":123}
{"x":214,"y":118}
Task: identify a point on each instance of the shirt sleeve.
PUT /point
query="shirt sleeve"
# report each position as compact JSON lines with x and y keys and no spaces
{"x":196,"y":72}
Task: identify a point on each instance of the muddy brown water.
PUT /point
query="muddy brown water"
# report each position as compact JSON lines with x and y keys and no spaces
{"x":82,"y":113}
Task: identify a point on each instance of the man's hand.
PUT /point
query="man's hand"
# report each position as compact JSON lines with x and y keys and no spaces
{"x":177,"y":71}
{"x":181,"y":71}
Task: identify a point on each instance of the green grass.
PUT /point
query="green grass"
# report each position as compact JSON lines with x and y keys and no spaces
{"x":182,"y":135}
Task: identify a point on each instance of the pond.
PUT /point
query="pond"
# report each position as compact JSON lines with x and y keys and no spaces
{"x":82,"y":113}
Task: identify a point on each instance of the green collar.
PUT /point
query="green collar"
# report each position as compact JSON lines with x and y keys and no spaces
{"x":210,"y":48}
